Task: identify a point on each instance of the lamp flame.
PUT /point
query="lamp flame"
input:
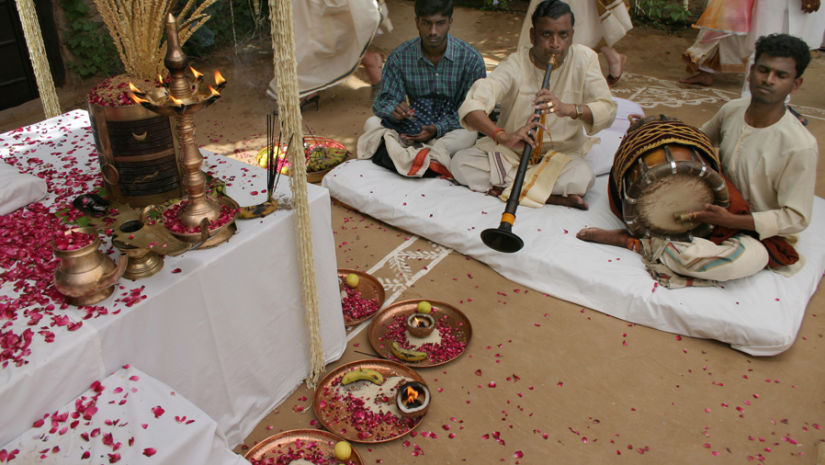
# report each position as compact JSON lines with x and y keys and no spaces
{"x":198,"y":75}
{"x":176,"y":101}
{"x":213,"y":92}
{"x":420,"y":322}
{"x":135,"y":89}
{"x":137,"y":99}
{"x":219,"y":79}
{"x":412,"y":395}
{"x":160,"y":80}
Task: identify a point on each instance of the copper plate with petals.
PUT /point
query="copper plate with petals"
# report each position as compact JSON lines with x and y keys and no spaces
{"x":368,"y":286}
{"x":277,"y":445}
{"x":443,"y":313}
{"x":333,"y":414}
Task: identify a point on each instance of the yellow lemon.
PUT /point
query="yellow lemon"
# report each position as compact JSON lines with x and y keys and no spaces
{"x":261,"y":158}
{"x":343,"y":450}
{"x":424,"y":307}
{"x":352,"y":280}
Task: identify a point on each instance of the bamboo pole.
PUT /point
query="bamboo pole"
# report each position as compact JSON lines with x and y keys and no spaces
{"x":37,"y":53}
{"x":286,"y":71}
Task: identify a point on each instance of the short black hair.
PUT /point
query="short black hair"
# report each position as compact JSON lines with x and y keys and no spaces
{"x":433,"y":7}
{"x":784,"y":46}
{"x":554,"y":9}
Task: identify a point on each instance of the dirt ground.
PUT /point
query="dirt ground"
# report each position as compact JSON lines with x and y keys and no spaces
{"x":584,"y":387}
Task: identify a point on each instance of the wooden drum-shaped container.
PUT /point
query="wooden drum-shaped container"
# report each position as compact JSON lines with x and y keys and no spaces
{"x":136,"y":150}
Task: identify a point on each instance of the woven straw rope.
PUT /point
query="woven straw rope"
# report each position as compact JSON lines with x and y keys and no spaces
{"x":286,"y":70}
{"x":37,"y":54}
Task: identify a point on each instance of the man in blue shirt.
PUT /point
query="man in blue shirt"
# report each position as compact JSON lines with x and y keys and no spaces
{"x":415,"y":128}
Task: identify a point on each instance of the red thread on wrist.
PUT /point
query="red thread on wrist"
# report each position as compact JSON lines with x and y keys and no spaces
{"x":495,"y":134}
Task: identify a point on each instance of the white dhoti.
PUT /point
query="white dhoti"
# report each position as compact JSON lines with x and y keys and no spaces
{"x":412,"y":160}
{"x":556,"y":174}
{"x":331,"y":37}
{"x":738,"y":257}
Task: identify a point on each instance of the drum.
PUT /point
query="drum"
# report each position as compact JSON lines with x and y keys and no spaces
{"x":664,"y":169}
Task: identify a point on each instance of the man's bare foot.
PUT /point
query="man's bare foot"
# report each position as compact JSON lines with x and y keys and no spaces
{"x":615,"y":64}
{"x":572,"y":200}
{"x":702,"y":78}
{"x":617,"y":237}
{"x":495,"y":191}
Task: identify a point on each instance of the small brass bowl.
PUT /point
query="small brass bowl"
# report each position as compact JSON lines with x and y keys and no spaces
{"x":420,"y":324}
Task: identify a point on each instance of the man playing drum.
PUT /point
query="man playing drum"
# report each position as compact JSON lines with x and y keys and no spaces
{"x":415,"y":129}
{"x":770,"y":158}
{"x":578,"y":98}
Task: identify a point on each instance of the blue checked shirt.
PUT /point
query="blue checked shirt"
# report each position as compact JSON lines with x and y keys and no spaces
{"x":408,"y":73}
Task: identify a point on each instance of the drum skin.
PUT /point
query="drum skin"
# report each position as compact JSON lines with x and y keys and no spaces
{"x":664,"y":183}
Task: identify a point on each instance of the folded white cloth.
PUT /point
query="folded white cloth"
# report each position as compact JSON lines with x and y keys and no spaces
{"x":127,"y":418}
{"x":18,"y":189}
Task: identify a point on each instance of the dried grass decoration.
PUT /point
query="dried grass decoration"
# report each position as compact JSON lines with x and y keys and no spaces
{"x":137,"y":30}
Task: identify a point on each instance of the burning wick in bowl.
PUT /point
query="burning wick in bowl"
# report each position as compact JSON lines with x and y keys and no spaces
{"x":420,"y":324}
{"x":413,"y":399}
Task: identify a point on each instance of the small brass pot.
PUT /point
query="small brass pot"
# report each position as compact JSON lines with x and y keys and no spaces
{"x":85,"y":275}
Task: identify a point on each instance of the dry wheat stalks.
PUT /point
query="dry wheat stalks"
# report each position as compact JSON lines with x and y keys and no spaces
{"x":137,"y":30}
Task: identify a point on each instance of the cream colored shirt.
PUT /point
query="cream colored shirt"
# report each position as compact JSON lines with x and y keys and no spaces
{"x":773,"y":167}
{"x":515,"y":83}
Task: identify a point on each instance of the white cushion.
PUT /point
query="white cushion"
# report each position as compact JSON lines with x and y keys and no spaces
{"x":17,"y":189}
{"x":600,"y":156}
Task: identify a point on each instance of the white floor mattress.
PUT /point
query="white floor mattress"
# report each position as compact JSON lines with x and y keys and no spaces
{"x":759,"y":315}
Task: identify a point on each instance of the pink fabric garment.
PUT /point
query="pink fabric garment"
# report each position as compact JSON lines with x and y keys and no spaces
{"x":728,"y":16}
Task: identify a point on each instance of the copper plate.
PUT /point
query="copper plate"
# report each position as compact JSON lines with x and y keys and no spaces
{"x":334,"y":416}
{"x":459,"y":323}
{"x":369,"y":287}
{"x":272,"y":445}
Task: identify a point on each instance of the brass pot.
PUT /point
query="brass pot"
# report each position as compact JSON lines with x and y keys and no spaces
{"x":85,"y":275}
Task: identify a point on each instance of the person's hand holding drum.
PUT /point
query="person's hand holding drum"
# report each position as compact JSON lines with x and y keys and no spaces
{"x":717,"y":216}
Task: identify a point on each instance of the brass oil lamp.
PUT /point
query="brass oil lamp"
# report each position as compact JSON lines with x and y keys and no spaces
{"x":420,"y":324}
{"x":412,"y":399}
{"x":186,"y":94}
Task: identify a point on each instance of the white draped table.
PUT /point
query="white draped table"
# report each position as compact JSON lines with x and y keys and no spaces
{"x":224,"y":326}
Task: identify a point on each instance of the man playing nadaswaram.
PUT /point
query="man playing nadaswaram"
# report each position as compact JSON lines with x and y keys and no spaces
{"x":578,"y":100}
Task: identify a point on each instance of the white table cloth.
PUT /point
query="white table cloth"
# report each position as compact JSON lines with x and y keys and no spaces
{"x":129,"y":418}
{"x":224,"y":326}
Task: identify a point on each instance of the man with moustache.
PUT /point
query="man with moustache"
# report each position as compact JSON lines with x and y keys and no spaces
{"x":578,"y":101}
{"x":770,"y":158}
{"x":415,"y":130}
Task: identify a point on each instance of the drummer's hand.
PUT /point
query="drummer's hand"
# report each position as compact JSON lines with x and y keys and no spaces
{"x":810,"y":6}
{"x":402,"y":111}
{"x":547,"y":102}
{"x":427,"y":133}
{"x":712,"y":214}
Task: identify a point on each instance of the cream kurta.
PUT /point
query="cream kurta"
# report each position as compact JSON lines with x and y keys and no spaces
{"x":773,"y":167}
{"x":515,"y":83}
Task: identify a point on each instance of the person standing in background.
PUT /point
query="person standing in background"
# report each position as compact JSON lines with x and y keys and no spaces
{"x":599,"y":25}
{"x":723,"y":43}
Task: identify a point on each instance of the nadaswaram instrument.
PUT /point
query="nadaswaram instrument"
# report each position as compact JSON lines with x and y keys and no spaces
{"x":502,"y":238}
